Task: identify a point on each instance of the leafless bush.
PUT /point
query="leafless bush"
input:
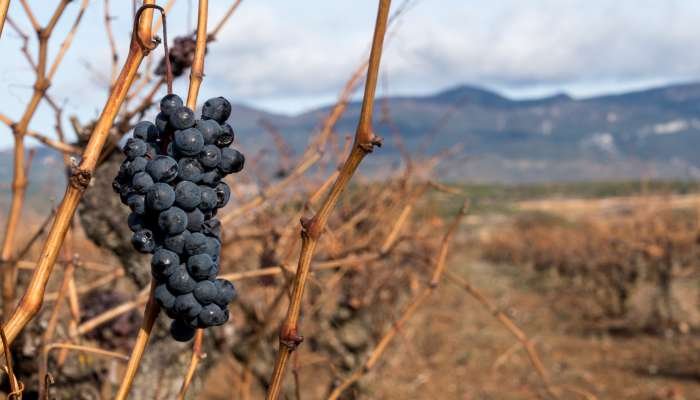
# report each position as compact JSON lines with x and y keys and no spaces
{"x":628,"y":271}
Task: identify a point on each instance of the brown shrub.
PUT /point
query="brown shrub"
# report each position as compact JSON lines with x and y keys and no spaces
{"x":625,"y":271}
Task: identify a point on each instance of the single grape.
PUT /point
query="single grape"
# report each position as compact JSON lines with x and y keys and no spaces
{"x":195,"y":243}
{"x":163,"y":296}
{"x":226,"y":137}
{"x":138,"y":164}
{"x":231,"y":161}
{"x":180,"y":281}
{"x":205,"y":292}
{"x":136,"y":222}
{"x":162,"y":169}
{"x":208,"y":198}
{"x":170,"y":103}
{"x":210,"y":130}
{"x":189,"y":142}
{"x":160,"y":196}
{"x":212,"y":315}
{"x":172,"y":221}
{"x":137,"y":203}
{"x":181,"y":331}
{"x":163,"y":263}
{"x":210,"y":156}
{"x":226,"y":292}
{"x":187,"y":195}
{"x":223,"y":194}
{"x":141,"y":182}
{"x":195,"y":219}
{"x":143,"y":241}
{"x":182,"y":118}
{"x":145,"y":130}
{"x":217,"y":108}
{"x":199,"y":266}
{"x":135,"y":147}
{"x":213,"y":247}
{"x":186,"y":306}
{"x":189,"y":169}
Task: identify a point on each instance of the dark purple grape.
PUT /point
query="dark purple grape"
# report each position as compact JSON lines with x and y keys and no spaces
{"x":160,"y":196}
{"x":189,"y":142}
{"x":180,"y":281}
{"x":170,"y":103}
{"x":210,"y":156}
{"x":162,"y":169}
{"x":231,"y":161}
{"x":141,"y":182}
{"x":137,"y":203}
{"x":212,"y":227}
{"x":208,"y":198}
{"x":213,"y":248}
{"x":136,"y":222}
{"x":145,"y":130}
{"x":211,"y":178}
{"x":196,"y":243}
{"x":135,"y":166}
{"x":205,"y":292}
{"x":163,"y":296}
{"x":143,"y":241}
{"x":226,"y":137}
{"x":217,"y":108}
{"x":210,"y":130}
{"x":195,"y":219}
{"x":135,"y":147}
{"x":189,"y":169}
{"x":187,"y":195}
{"x":181,"y":331}
{"x":186,"y":306}
{"x":182,"y":118}
{"x":172,"y":221}
{"x":162,"y":124}
{"x":199,"y":266}
{"x":163,"y":263}
{"x":212,"y":315}
{"x":226,"y":292}
{"x":223,"y":194}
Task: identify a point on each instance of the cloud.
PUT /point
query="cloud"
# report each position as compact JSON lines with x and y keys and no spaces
{"x":549,"y":42}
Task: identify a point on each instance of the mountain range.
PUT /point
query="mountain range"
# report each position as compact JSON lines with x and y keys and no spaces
{"x":653,"y":133}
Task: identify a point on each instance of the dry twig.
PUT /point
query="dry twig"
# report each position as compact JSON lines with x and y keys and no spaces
{"x":410,"y":310}
{"x":81,"y":175}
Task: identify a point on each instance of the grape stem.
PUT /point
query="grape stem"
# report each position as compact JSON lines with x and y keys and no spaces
{"x":364,"y":143}
{"x":197,"y":70}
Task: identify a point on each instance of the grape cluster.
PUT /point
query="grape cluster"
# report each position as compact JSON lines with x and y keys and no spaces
{"x":181,"y":56}
{"x":172,"y":181}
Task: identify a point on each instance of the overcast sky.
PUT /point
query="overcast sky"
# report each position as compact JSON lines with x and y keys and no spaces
{"x":288,"y":56}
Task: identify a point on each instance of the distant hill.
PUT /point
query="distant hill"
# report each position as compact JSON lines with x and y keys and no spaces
{"x":652,"y":133}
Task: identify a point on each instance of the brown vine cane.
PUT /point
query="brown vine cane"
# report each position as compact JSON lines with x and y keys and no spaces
{"x":168,"y":65}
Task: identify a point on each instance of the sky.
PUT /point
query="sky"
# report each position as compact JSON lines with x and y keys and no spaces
{"x":289,"y":56}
